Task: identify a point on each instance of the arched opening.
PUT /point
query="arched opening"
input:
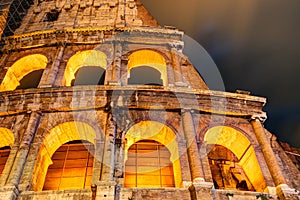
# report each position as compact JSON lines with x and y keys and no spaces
{"x":232,"y":160}
{"x":147,"y":67}
{"x":4,"y":153}
{"x":145,"y":75}
{"x":226,"y":171}
{"x":149,"y":139}
{"x":89,"y":75}
{"x":56,"y":138}
{"x":148,"y":165}
{"x":89,"y":60}
{"x":7,"y":139}
{"x":72,"y":166}
{"x":31,"y":80}
{"x":32,"y":65}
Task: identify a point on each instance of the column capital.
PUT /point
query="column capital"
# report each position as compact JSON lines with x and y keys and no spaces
{"x":262,"y":117}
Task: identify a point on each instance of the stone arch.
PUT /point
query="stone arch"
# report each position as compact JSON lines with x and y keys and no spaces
{"x":57,"y":136}
{"x":228,"y":124}
{"x":151,"y":130}
{"x":87,"y":58}
{"x":241,"y":147}
{"x":148,"y":58}
{"x":21,"y":68}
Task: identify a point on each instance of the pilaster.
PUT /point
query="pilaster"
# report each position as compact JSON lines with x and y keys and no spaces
{"x":109,"y":150}
{"x":192,"y":149}
{"x":49,"y":75}
{"x":117,"y":65}
{"x":22,"y":154}
{"x":283,"y":191}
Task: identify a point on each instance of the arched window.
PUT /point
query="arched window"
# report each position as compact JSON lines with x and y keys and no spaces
{"x":152,"y":151}
{"x":85,"y":68}
{"x":147,"y":67}
{"x":226,"y":172}
{"x":24,"y":73}
{"x":4,"y":153}
{"x":72,"y":167}
{"x":31,"y":80}
{"x":61,"y":141}
{"x":145,"y":75}
{"x":89,"y":75}
{"x":7,"y":139}
{"x":149,"y":165}
{"x":232,"y":160}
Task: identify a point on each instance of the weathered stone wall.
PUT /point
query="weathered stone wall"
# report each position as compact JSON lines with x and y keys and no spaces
{"x":184,"y":104}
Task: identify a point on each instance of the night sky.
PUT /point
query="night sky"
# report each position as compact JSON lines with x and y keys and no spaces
{"x":255,"y":45}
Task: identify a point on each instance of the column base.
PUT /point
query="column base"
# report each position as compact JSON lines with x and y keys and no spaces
{"x":284,"y":192}
{"x":270,"y":190}
{"x":105,"y":190}
{"x":181,"y":84}
{"x":201,"y":190}
{"x":9,"y":192}
{"x":114,"y":83}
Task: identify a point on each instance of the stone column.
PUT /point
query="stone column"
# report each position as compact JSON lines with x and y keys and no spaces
{"x":176,"y":67}
{"x":283,"y":191}
{"x":109,"y":150}
{"x":184,"y":164}
{"x":98,"y":155}
{"x":192,"y":149}
{"x":18,"y":166}
{"x":106,"y":185}
{"x":49,"y":75}
{"x":117,"y":65}
{"x":267,"y":151}
{"x":170,"y":73}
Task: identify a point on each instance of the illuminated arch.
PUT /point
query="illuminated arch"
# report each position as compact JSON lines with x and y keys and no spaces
{"x":59,"y":135}
{"x":83,"y":59}
{"x":239,"y":144}
{"x":151,"y":130}
{"x":7,"y":137}
{"x":148,"y":58}
{"x":21,"y":68}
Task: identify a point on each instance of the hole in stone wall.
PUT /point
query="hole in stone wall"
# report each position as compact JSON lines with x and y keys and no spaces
{"x":51,"y":16}
{"x":226,"y":172}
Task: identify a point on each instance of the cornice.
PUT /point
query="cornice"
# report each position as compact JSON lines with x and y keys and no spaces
{"x":83,"y":36}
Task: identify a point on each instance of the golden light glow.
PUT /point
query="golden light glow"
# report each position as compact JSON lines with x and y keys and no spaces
{"x":72,"y":167}
{"x":7,"y":137}
{"x":151,"y":130}
{"x":148,"y":165}
{"x":148,"y":58}
{"x":241,"y":147}
{"x":58,"y":136}
{"x":21,"y":68}
{"x":83,"y":59}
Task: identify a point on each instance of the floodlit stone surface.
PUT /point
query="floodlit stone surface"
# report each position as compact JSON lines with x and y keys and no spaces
{"x":215,"y":144}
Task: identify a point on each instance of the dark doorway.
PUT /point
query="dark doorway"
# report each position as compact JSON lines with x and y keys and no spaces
{"x":89,"y":75}
{"x":145,"y":75}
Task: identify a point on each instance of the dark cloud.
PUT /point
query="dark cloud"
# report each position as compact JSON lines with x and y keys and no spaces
{"x":256,"y":46}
